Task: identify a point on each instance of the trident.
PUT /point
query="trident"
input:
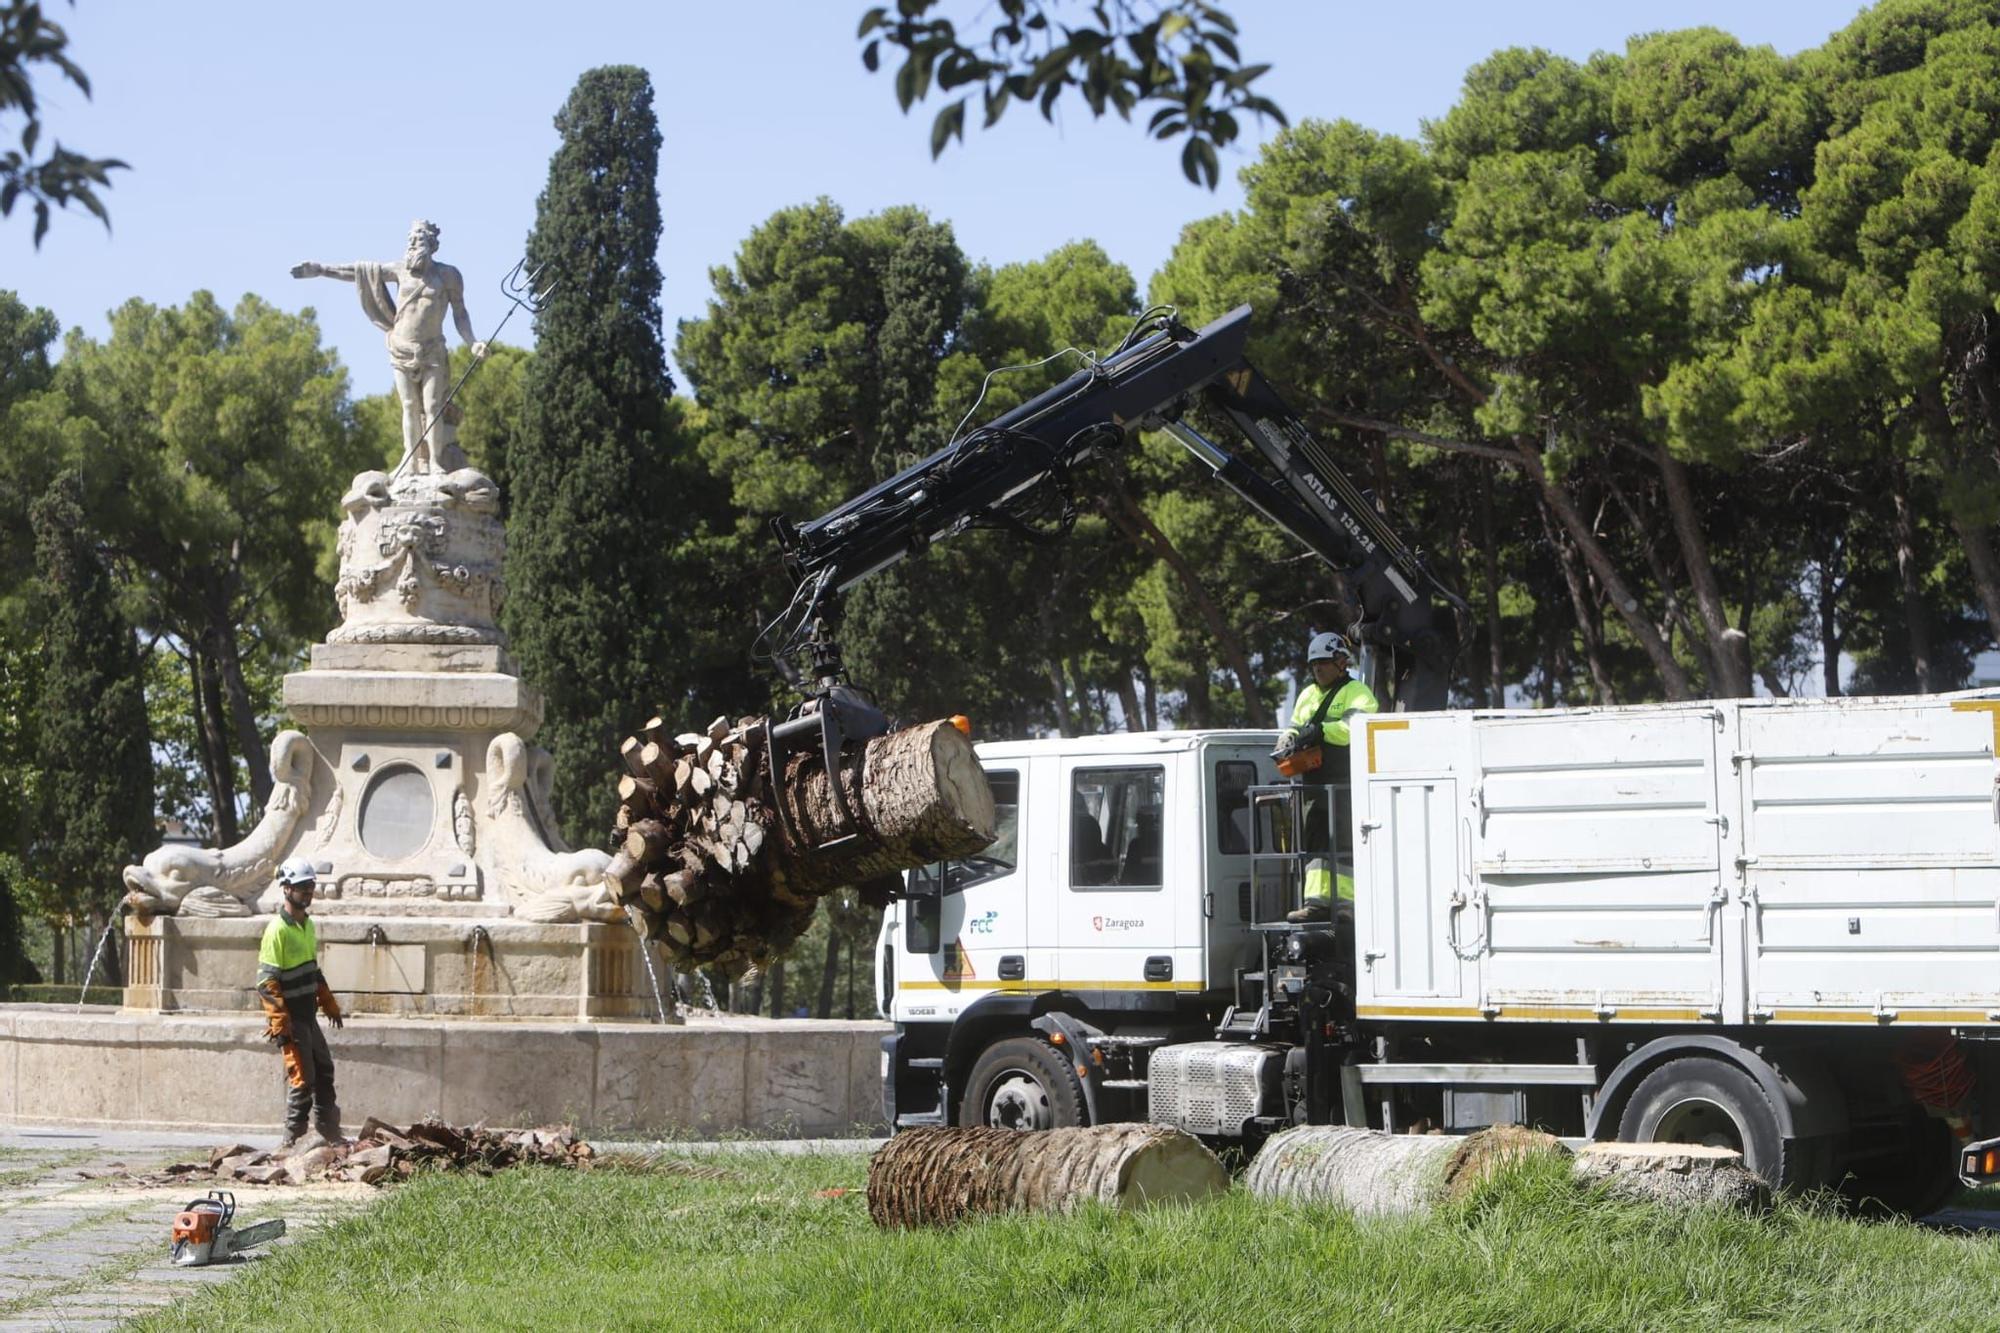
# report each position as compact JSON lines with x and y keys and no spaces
{"x":522,"y":291}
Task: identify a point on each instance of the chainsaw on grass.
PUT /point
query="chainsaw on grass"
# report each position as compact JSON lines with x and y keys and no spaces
{"x":203,"y":1233}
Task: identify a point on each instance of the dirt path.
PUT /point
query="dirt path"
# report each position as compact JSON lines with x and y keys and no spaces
{"x":81,"y":1247}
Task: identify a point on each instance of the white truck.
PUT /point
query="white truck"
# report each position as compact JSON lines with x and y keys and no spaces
{"x":1768,"y":924}
{"x":1772,"y":925}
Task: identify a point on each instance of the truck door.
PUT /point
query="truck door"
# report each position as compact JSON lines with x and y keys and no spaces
{"x":1230,"y":900}
{"x":1116,"y":921}
{"x":1411,"y":850}
{"x":972,"y":936}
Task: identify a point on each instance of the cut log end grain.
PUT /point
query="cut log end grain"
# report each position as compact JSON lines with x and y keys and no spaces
{"x":941,"y":1176}
{"x":1683,"y":1174}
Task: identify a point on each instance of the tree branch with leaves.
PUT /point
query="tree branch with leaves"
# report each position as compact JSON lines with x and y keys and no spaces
{"x":1179,"y":54}
{"x":29,"y":38}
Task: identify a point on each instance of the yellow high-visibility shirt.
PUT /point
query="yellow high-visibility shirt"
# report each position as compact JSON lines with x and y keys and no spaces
{"x":289,"y":955}
{"x":1349,"y":696}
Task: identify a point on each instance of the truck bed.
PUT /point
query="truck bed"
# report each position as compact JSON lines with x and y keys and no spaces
{"x":1740,"y":862}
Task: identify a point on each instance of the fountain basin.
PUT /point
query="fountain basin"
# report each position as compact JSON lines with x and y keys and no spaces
{"x":214,"y":1072}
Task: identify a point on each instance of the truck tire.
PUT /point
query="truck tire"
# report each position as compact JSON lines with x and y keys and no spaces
{"x":1022,"y":1083}
{"x":1696,"y":1099}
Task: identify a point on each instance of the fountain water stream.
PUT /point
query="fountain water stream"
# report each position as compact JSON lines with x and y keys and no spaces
{"x":90,"y":971}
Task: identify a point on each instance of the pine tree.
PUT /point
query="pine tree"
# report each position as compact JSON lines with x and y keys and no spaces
{"x":96,"y":747}
{"x":598,"y":473}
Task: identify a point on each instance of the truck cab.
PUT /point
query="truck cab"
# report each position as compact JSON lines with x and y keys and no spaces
{"x":1114,"y":912}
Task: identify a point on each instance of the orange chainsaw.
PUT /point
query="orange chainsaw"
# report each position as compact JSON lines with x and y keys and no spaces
{"x":204,"y":1232}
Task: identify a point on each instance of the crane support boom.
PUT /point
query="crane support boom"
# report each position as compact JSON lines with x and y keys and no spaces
{"x":1011,"y":468}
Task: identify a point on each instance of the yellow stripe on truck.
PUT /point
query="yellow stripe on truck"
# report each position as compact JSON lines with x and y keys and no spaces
{"x":1631,"y":1014}
{"x":1555,"y":1013}
{"x":1989,"y":706}
{"x":1398,"y":724}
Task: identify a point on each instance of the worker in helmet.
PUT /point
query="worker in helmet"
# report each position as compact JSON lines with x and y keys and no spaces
{"x":293,"y":993}
{"x":1314,"y":749}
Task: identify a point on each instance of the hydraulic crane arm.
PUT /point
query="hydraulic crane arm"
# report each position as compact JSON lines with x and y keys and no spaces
{"x":1017,"y":465}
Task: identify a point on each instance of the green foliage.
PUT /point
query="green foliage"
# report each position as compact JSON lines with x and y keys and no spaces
{"x":1179,"y":54}
{"x":25,"y":336}
{"x":28,"y":37}
{"x":835,"y":352}
{"x":213,"y":446}
{"x":608,"y":509}
{"x":96,"y":765}
{"x":16,"y":968}
{"x":21,"y":788}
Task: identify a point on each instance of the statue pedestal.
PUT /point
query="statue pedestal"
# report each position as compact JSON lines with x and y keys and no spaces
{"x":403,"y":787}
{"x":445,"y":889}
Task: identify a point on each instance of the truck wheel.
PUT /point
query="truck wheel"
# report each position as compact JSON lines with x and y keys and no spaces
{"x":1699,"y":1100}
{"x":1022,"y":1083}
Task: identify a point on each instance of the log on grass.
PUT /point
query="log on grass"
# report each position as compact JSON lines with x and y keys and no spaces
{"x":1677,"y":1174}
{"x":939,"y":1176}
{"x":1387,"y":1175}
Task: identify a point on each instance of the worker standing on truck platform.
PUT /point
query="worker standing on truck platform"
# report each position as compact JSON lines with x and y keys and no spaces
{"x":1314,"y":749}
{"x":293,"y":991}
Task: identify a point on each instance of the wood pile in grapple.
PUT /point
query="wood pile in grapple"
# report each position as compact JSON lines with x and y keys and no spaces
{"x":723,"y":861}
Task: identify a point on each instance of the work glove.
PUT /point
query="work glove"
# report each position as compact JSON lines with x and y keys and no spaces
{"x":330,"y":1006}
{"x":277,"y":1023}
{"x":1296,"y":739}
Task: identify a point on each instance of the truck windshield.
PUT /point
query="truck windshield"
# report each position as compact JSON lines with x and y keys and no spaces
{"x":997,"y":860}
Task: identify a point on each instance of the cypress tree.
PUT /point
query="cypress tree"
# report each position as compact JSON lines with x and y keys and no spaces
{"x":596,"y":504}
{"x":96,"y":746}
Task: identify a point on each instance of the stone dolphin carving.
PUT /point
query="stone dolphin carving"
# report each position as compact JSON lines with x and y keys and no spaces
{"x":220,"y":881}
{"x":541,"y":883}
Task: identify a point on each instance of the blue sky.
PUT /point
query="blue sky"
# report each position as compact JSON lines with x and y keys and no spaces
{"x":263,"y":133}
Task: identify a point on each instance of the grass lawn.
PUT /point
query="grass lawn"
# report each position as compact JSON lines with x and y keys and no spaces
{"x":761,"y":1241}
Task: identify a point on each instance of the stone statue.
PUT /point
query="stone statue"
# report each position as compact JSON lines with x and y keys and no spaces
{"x":543,"y":879}
{"x":194,"y":881}
{"x":412,"y":325}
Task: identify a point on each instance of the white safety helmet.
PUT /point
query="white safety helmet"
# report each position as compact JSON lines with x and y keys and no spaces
{"x":296,"y":870}
{"x":1325,"y":647}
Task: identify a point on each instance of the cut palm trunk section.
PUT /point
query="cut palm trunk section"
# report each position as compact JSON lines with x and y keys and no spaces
{"x":1397,"y":1175}
{"x":723,"y":861}
{"x":1387,"y":1175}
{"x":939,"y":1177}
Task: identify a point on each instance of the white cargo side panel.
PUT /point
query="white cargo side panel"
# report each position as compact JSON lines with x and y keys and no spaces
{"x":1598,"y":864}
{"x":1871,"y":870}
